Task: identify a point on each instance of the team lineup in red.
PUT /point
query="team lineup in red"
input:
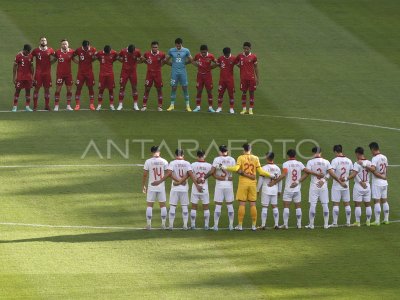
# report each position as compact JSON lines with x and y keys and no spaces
{"x":26,"y":76}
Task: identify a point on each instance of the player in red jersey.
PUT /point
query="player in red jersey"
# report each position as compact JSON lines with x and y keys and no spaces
{"x":247,"y":62}
{"x":106,"y":76}
{"x":64,"y":56}
{"x":129,"y":57}
{"x":43,"y":55}
{"x":86,"y":55}
{"x":23,"y":76}
{"x":154,"y":60}
{"x":226,"y":63}
{"x":204,"y":62}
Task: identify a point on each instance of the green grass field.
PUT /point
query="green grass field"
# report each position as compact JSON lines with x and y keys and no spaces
{"x":329,"y":72}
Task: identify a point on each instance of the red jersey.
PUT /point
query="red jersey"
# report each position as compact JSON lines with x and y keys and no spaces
{"x":43,"y":60}
{"x":246,"y":65}
{"x":154,"y":62}
{"x":129,"y":60}
{"x":85,"y":59}
{"x":204,"y":62}
{"x":106,"y":62}
{"x":226,"y":67}
{"x":64,"y":62}
{"x":24,"y":69}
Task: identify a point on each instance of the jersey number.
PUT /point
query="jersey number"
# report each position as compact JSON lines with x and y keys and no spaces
{"x":248,"y":167}
{"x":157,"y":173}
{"x":294,"y":175}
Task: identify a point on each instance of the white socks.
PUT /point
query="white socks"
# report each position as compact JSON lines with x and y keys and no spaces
{"x":264,"y":213}
{"x":348,"y":214}
{"x":275,"y":212}
{"x":377,"y":211}
{"x":285,"y":216}
{"x":193,"y":214}
{"x":325,"y":209}
{"x":185,"y":215}
{"x":298,"y":216}
{"x":149,"y":214}
{"x":163,"y":215}
{"x":171,"y":216}
{"x":206,"y":218}
{"x":368,"y":212}
{"x":385,"y":207}
{"x":231,"y":214}
{"x":217,"y":214}
{"x":311,"y":213}
{"x":357,"y":213}
{"x":335,"y":214}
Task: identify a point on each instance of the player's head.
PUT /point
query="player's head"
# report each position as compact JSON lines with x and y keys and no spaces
{"x":246,"y":47}
{"x":316,"y":150}
{"x":131,"y":48}
{"x":226,"y":51}
{"x":223,"y":150}
{"x":107,"y":49}
{"x":359,"y":152}
{"x":270,"y":156}
{"x":64,"y":44}
{"x":338,"y":149}
{"x":203,"y":50}
{"x":291,"y":153}
{"x":155,"y":150}
{"x":246,"y":147}
{"x":85,"y":44}
{"x":27,"y":49}
{"x":201,"y":154}
{"x":154,"y":46}
{"x":178,"y":43}
{"x":43,"y":41}
{"x":374,"y":147}
{"x":179,"y":153}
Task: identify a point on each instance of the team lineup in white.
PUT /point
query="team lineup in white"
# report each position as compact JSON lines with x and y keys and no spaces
{"x":341,"y":169}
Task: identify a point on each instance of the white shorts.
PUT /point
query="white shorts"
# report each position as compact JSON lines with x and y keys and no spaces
{"x":175,"y":197}
{"x":153,"y":196}
{"x":269,"y":199}
{"x":338,"y":195}
{"x":292,"y":196}
{"x":361,"y":195}
{"x":318,"y":194}
{"x":204,"y":198}
{"x":222,"y":194}
{"x":379,"y":192}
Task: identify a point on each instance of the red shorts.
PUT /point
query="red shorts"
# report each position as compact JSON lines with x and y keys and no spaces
{"x":154,"y":77}
{"x":125,"y":76}
{"x":64,"y":78}
{"x":43,"y":80}
{"x":226,"y":85}
{"x":106,"y":82}
{"x":23,"y":84}
{"x":248,"y":85}
{"x":81,"y":79}
{"x":204,"y":80}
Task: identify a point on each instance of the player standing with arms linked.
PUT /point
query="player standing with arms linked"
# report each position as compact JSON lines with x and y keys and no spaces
{"x":226,"y":64}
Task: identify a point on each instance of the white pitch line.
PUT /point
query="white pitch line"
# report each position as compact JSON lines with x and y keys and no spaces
{"x":72,"y":166}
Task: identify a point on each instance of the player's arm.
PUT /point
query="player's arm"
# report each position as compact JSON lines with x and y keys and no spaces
{"x":302,"y":178}
{"x":53,"y":58}
{"x":279,"y":179}
{"x":195,"y":62}
{"x":189,"y":60}
{"x":144,"y":180}
{"x":194,"y":179}
{"x":15,"y":66}
{"x":310,"y":172}
{"x":264,"y":173}
{"x":168,"y":60}
{"x":259,"y":185}
{"x":333,"y":175}
{"x":166,"y":175}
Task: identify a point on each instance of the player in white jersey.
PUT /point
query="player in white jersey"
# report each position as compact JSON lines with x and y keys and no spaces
{"x":154,"y":169}
{"x":200,"y":169}
{"x":361,"y":188}
{"x":178,"y":170}
{"x":379,"y":187}
{"x":269,"y":191}
{"x":223,"y":186}
{"x":342,"y":167}
{"x":319,"y":186}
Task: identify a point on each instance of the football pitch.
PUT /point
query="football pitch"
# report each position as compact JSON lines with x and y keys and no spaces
{"x":72,"y":211}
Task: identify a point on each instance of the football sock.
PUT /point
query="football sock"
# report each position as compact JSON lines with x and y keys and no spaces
{"x":241,"y":212}
{"x":206,"y":218}
{"x":217,"y":214}
{"x":16,"y":96}
{"x":78,"y":96}
{"x":275,"y":213}
{"x":121,"y":94}
{"x":185,"y":215}
{"x":285,"y":216}
{"x":348,"y":214}
{"x":160,"y":98}
{"x":264,"y":214}
{"x":357,"y":213}
{"x":91,"y":95}
{"x":198,"y":102}
{"x":253,"y":213}
{"x":46,"y":97}
{"x":298,"y":216}
{"x":231,"y":103}
{"x":56,"y":97}
{"x":219,"y":102}
{"x":163,"y":215}
{"x":35,"y":99}
{"x":335,"y":214}
{"x":69,"y":97}
{"x":186,"y":95}
{"x":135,"y":97}
{"x":193,"y":214}
{"x":244,"y":99}
{"x":145,"y":97}
{"x":251,"y":102}
{"x":385,"y":207}
{"x":231,"y":213}
{"x":149,"y":215}
{"x":100,"y":96}
{"x":325,"y":210}
{"x":27,"y":97}
{"x":173,"y":96}
{"x":377,"y":212}
{"x":368,"y":212}
{"x":111,"y":95}
{"x":172,"y":215}
{"x":311,"y":213}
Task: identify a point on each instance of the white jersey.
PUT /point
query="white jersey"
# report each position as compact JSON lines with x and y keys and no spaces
{"x":380,"y":162}
{"x":293,"y":169}
{"x":155,"y":167}
{"x":226,"y":161}
{"x":180,"y":169}
{"x":200,"y":169}
{"x":342,"y":167}
{"x":362,"y":175}
{"x":263,"y":182}
{"x":318,"y":165}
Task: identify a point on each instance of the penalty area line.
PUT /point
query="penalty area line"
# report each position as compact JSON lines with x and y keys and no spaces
{"x":72,"y":166}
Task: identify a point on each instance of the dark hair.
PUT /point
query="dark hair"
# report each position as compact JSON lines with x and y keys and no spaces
{"x":226,"y":50}
{"x":359,"y":150}
{"x":316,"y":150}
{"x":374,"y":146}
{"x":154,"y":43}
{"x":27,"y":47}
{"x":338,"y":148}
{"x":201,"y":153}
{"x":154,"y":149}
{"x":178,"y":41}
{"x":270,"y":155}
{"x":64,"y":40}
{"x":291,"y":153}
{"x":85,"y":43}
{"x":247,"y":44}
{"x":223,"y":148}
{"x":107,"y":49}
{"x":246,"y":147}
{"x":203,"y":47}
{"x":179,"y":152}
{"x":131,"y":48}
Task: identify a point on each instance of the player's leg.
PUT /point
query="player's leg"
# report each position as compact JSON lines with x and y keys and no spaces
{"x":210,"y":97}
{"x":123,"y":79}
{"x":194,"y":199}
{"x":218,"y":205}
{"x":27,"y":98}
{"x":36,"y":90}
{"x":47,"y":85}
{"x":357,"y":199}
{"x":275,"y":210}
{"x":206,"y":210}
{"x":199,"y":88}
{"x":184,"y":83}
{"x":253,"y":213}
{"x":297,"y":204}
{"x":135,"y":97}
{"x":151,"y":198}
{"x":336,"y":196}
{"x":385,"y":205}
{"x":324,"y":198}
{"x":173,"y":202}
{"x":162,"y":199}
{"x":368,"y":211}
{"x":158,"y":83}
{"x":231,"y":91}
{"x":174,"y":86}
{"x":111,"y":97}
{"x":79,"y":85}
{"x":244,"y":88}
{"x":312,"y":199}
{"x":286,"y":212}
{"x":241,"y":213}
{"x":184,"y":199}
{"x":264,"y":210}
{"x":251,"y":96}
{"x":16,"y":96}
{"x":100,"y":94}
{"x":90,"y":85}
{"x":221,"y":92}
{"x":347,"y":208}
{"x":147,"y":86}
{"x":57,"y":94}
